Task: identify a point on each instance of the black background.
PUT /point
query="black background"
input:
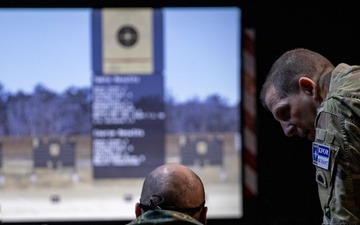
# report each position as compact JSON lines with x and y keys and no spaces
{"x":287,"y":189}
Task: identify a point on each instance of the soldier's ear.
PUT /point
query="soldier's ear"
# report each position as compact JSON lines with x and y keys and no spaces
{"x":138,"y":210}
{"x":203,"y":215}
{"x":307,"y":85}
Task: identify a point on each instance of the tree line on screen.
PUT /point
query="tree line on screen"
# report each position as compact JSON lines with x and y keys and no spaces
{"x":44,"y":112}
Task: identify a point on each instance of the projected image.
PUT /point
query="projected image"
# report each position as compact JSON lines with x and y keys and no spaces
{"x":92,"y":100}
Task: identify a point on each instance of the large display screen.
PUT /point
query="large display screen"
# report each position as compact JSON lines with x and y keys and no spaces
{"x":91,"y":100}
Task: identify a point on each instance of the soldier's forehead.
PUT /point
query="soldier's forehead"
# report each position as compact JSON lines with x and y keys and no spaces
{"x":271,"y":97}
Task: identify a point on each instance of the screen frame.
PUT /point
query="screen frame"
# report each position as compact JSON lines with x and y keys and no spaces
{"x":135,"y":3}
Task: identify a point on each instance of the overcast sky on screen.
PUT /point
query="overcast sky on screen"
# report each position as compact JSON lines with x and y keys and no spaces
{"x":52,"y":47}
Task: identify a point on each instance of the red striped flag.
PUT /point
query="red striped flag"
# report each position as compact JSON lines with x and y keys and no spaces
{"x":249,"y":113}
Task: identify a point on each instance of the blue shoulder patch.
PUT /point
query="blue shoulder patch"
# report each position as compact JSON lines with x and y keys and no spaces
{"x":321,"y":155}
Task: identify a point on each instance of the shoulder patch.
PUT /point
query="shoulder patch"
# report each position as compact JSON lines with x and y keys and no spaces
{"x":321,"y":155}
{"x":320,"y":178}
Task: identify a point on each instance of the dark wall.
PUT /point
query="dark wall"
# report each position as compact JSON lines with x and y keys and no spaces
{"x":287,"y":188}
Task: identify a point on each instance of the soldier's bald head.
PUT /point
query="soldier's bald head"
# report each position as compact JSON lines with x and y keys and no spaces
{"x":176,"y":184}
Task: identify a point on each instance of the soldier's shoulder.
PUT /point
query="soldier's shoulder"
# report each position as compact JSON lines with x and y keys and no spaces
{"x":164,"y":217}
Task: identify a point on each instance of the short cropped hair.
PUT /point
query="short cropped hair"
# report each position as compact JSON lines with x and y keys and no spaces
{"x":286,"y":71}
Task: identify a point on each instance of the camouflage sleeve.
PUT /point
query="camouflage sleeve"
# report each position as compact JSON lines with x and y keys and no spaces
{"x":339,"y":181}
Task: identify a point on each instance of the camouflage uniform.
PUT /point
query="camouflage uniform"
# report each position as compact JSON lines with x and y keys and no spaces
{"x":338,"y":130}
{"x":160,"y":216}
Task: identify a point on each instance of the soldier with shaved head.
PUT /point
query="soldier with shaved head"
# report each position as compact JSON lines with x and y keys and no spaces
{"x":171,"y":194}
